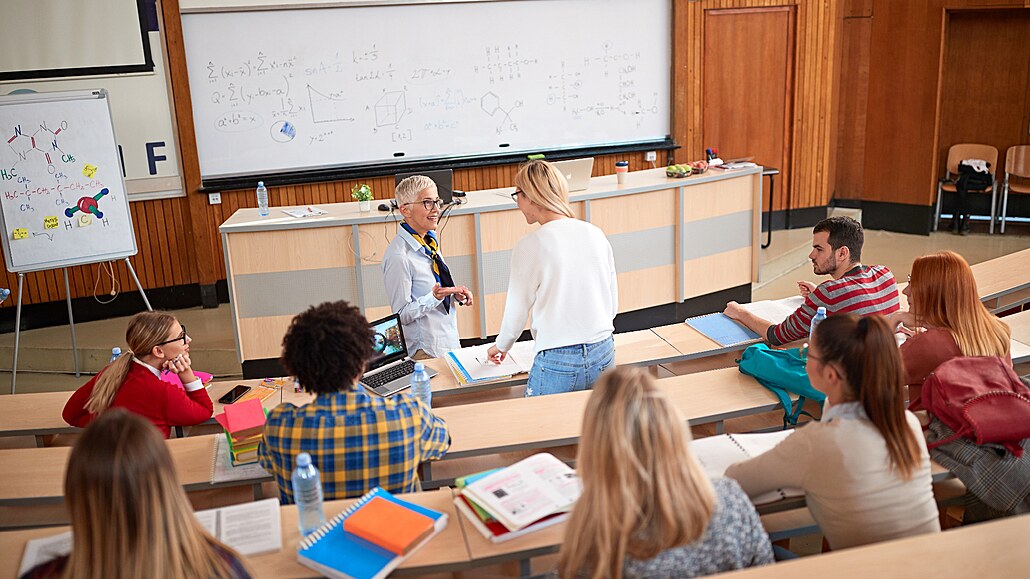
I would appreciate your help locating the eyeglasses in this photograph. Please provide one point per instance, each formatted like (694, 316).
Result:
(515, 195)
(429, 203)
(181, 336)
(805, 355)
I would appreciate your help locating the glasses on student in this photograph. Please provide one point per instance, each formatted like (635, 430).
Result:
(429, 203)
(515, 195)
(181, 336)
(805, 355)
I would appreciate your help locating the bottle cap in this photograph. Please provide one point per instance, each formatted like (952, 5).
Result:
(116, 351)
(261, 183)
(820, 310)
(622, 163)
(419, 366)
(303, 460)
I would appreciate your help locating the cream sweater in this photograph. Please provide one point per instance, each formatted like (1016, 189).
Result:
(564, 272)
(841, 463)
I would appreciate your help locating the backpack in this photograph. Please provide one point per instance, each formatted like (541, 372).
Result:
(782, 372)
(980, 398)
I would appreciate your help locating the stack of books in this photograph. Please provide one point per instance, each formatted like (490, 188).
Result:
(506, 503)
(371, 538)
(472, 366)
(244, 424)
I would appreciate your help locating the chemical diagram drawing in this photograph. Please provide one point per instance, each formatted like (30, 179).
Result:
(391, 108)
(42, 142)
(491, 105)
(88, 205)
(328, 108)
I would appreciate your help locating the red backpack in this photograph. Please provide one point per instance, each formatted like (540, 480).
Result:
(980, 398)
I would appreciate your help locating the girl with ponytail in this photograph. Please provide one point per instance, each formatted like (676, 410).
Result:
(157, 342)
(864, 468)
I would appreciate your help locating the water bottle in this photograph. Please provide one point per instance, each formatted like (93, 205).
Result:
(307, 492)
(115, 353)
(420, 384)
(820, 315)
(4, 294)
(262, 196)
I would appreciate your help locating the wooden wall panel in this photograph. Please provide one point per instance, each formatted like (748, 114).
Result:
(851, 124)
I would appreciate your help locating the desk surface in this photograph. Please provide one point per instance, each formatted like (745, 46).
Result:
(1002, 275)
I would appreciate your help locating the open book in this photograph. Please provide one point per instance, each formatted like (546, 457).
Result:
(471, 364)
(527, 491)
(249, 528)
(717, 453)
(728, 332)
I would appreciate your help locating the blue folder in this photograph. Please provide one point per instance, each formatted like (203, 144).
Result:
(722, 329)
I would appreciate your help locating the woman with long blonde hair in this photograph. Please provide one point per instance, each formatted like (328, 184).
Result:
(864, 466)
(157, 343)
(647, 508)
(129, 514)
(943, 301)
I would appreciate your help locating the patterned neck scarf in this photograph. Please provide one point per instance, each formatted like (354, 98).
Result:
(440, 270)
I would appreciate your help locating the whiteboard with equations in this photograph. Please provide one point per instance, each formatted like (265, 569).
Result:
(62, 194)
(294, 89)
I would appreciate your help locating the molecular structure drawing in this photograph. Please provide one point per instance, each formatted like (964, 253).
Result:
(43, 141)
(88, 205)
(491, 105)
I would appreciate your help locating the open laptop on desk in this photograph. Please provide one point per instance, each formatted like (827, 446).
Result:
(577, 172)
(389, 369)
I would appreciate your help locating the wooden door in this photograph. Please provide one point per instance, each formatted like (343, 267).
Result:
(748, 87)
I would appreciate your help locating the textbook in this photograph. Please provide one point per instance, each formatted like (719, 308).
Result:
(526, 492)
(471, 365)
(335, 552)
(488, 526)
(717, 453)
(249, 528)
(225, 469)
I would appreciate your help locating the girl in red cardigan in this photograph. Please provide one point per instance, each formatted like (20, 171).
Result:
(157, 342)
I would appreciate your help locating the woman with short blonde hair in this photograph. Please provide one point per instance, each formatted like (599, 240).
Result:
(647, 507)
(129, 514)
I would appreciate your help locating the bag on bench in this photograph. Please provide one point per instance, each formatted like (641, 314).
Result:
(782, 372)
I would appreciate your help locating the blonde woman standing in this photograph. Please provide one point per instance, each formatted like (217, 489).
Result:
(129, 514)
(157, 342)
(564, 273)
(647, 508)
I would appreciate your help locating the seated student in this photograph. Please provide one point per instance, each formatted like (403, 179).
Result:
(157, 342)
(129, 514)
(647, 508)
(943, 300)
(855, 288)
(356, 439)
(864, 467)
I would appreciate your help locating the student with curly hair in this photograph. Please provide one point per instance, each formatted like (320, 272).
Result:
(358, 440)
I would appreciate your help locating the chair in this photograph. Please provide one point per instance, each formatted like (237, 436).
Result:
(956, 154)
(1017, 164)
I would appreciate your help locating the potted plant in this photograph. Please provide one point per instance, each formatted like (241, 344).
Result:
(362, 193)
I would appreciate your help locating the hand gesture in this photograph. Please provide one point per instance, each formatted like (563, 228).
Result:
(805, 288)
(495, 355)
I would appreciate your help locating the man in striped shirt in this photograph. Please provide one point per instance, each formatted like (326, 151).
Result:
(855, 288)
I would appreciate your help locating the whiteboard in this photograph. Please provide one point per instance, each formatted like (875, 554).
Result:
(281, 90)
(63, 199)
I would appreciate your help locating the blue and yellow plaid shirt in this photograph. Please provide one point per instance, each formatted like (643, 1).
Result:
(357, 441)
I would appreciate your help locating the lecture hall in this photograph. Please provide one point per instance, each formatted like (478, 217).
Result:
(515, 288)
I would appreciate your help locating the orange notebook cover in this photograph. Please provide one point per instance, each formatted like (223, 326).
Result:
(389, 525)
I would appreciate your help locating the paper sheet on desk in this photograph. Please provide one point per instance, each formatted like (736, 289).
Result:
(774, 311)
(476, 366)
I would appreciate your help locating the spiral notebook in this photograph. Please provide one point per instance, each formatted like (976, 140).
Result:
(717, 453)
(722, 329)
(334, 552)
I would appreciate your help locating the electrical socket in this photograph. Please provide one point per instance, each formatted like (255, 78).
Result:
(651, 156)
(214, 198)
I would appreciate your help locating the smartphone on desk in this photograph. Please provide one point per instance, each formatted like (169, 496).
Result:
(235, 394)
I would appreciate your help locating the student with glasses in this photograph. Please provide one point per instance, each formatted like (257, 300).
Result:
(157, 342)
(564, 273)
(418, 282)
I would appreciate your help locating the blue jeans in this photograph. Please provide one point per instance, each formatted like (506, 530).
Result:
(570, 368)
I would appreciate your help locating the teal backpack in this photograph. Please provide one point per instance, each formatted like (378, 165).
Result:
(782, 372)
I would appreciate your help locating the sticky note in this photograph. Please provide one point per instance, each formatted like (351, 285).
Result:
(20, 233)
(85, 220)
(50, 222)
(89, 171)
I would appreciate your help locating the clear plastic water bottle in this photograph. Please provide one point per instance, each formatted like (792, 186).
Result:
(820, 315)
(115, 353)
(420, 384)
(262, 197)
(307, 492)
(4, 294)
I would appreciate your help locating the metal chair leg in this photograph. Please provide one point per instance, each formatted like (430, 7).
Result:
(1004, 203)
(994, 203)
(937, 212)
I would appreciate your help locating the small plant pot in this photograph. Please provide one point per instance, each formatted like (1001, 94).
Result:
(364, 205)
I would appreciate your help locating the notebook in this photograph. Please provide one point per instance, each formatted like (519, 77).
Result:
(223, 469)
(723, 330)
(389, 369)
(717, 453)
(334, 552)
(577, 172)
(472, 364)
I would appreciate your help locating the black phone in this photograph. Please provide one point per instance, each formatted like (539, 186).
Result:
(235, 394)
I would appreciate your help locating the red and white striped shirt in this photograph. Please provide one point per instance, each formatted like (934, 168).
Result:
(863, 290)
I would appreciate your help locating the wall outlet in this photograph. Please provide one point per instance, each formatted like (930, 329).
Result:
(214, 198)
(651, 156)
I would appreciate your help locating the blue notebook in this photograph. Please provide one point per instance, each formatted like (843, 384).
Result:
(722, 329)
(336, 553)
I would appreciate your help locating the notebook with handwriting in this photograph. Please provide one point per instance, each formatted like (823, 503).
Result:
(717, 453)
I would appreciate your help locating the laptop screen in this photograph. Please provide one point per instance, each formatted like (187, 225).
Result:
(444, 182)
(387, 342)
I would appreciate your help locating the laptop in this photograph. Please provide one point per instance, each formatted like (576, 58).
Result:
(389, 369)
(577, 172)
(444, 182)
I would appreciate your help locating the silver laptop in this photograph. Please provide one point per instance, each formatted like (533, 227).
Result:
(577, 172)
(389, 370)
